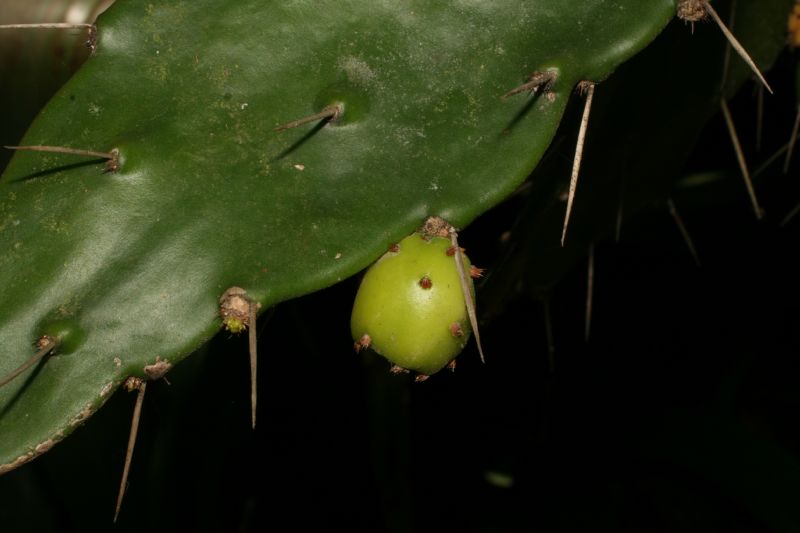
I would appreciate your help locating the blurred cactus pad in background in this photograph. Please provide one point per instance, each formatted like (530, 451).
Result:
(636, 370)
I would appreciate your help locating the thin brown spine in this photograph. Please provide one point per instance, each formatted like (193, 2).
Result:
(44, 349)
(737, 147)
(112, 165)
(48, 26)
(687, 238)
(537, 81)
(330, 113)
(588, 88)
(737, 46)
(726, 59)
(468, 299)
(253, 347)
(133, 383)
(788, 218)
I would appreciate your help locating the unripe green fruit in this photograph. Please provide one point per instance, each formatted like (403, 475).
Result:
(410, 307)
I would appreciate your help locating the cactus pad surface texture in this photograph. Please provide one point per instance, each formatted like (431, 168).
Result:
(129, 265)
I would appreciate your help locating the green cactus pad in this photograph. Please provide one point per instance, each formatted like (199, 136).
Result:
(209, 196)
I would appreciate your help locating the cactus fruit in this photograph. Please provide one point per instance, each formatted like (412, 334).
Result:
(410, 306)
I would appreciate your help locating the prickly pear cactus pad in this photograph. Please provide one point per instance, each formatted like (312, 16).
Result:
(207, 195)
